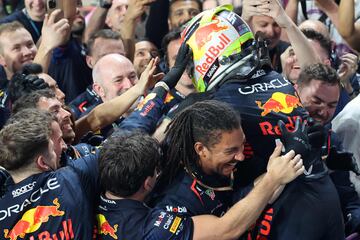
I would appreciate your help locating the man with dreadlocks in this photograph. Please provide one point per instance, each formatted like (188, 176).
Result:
(230, 63)
(202, 146)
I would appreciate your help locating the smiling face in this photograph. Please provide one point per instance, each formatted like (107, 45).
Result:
(222, 157)
(113, 75)
(144, 52)
(116, 13)
(182, 11)
(54, 106)
(269, 27)
(16, 49)
(291, 65)
(36, 9)
(319, 99)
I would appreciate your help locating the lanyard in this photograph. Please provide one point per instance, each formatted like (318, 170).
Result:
(31, 22)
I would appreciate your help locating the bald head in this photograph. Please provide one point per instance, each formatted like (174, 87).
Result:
(316, 25)
(113, 74)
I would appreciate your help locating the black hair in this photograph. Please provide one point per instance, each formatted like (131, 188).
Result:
(31, 68)
(19, 85)
(197, 1)
(201, 122)
(103, 33)
(31, 100)
(174, 34)
(126, 160)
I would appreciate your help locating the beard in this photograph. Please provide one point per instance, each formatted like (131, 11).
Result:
(78, 29)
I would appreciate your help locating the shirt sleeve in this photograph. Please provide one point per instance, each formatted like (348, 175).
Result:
(163, 225)
(86, 168)
(145, 116)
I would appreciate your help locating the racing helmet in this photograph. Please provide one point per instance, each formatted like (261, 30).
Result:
(217, 38)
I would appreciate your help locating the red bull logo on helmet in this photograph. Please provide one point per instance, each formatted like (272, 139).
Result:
(105, 228)
(279, 102)
(32, 220)
(213, 34)
(204, 33)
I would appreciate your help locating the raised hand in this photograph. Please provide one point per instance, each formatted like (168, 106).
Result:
(54, 33)
(148, 78)
(182, 59)
(296, 140)
(254, 8)
(286, 168)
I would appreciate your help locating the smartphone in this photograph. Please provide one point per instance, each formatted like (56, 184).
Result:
(68, 8)
(52, 5)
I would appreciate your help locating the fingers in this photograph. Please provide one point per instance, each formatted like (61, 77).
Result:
(60, 24)
(277, 150)
(151, 65)
(147, 2)
(297, 162)
(54, 15)
(290, 155)
(350, 60)
(64, 28)
(159, 76)
(46, 19)
(300, 171)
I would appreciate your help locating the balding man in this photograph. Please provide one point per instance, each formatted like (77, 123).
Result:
(316, 25)
(113, 74)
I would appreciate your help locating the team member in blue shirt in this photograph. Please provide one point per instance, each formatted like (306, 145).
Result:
(42, 200)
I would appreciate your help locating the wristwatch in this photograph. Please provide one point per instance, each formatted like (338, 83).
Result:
(105, 4)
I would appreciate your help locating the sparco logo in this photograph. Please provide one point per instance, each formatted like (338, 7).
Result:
(176, 209)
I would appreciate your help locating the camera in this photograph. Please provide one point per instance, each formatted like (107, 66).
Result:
(51, 4)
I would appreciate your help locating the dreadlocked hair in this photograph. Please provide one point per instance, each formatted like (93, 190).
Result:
(201, 122)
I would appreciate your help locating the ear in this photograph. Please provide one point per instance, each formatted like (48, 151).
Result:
(201, 150)
(169, 24)
(2, 61)
(99, 90)
(327, 62)
(149, 183)
(41, 163)
(108, 21)
(89, 61)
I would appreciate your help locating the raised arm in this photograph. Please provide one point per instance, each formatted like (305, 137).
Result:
(303, 50)
(53, 34)
(127, 28)
(292, 9)
(97, 19)
(348, 28)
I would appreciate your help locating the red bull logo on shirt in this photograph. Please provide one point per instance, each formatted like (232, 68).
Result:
(279, 102)
(105, 228)
(32, 220)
